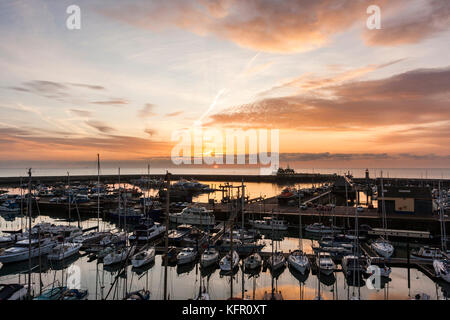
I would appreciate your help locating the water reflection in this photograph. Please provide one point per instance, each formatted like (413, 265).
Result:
(113, 282)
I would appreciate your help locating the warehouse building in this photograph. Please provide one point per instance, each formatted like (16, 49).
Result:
(407, 200)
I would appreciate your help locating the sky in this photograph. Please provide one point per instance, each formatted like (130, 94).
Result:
(136, 71)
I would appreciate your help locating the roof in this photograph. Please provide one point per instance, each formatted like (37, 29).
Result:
(407, 192)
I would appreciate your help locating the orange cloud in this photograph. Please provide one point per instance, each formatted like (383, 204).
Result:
(409, 26)
(286, 26)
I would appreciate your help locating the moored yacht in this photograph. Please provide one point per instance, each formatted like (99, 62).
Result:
(195, 215)
(253, 261)
(229, 262)
(147, 231)
(209, 257)
(118, 255)
(176, 235)
(268, 223)
(299, 261)
(187, 255)
(276, 261)
(383, 247)
(321, 228)
(63, 251)
(21, 250)
(325, 264)
(442, 269)
(426, 253)
(143, 257)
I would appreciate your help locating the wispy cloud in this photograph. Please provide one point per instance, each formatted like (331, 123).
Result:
(112, 102)
(146, 111)
(100, 126)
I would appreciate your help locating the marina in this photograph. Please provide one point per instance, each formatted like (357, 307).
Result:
(116, 255)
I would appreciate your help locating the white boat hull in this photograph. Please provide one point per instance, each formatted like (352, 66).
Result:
(383, 250)
(186, 259)
(114, 257)
(191, 220)
(209, 260)
(24, 255)
(149, 257)
(73, 250)
(298, 264)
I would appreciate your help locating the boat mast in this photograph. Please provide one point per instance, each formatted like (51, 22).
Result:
(68, 191)
(383, 208)
(98, 192)
(231, 247)
(272, 257)
(442, 221)
(166, 235)
(29, 234)
(119, 209)
(300, 237)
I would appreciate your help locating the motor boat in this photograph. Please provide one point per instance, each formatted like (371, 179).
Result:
(321, 228)
(143, 257)
(21, 250)
(194, 215)
(176, 235)
(442, 269)
(209, 257)
(118, 255)
(253, 261)
(325, 263)
(242, 235)
(113, 239)
(276, 261)
(195, 238)
(63, 251)
(268, 223)
(426, 253)
(187, 255)
(383, 247)
(147, 231)
(13, 291)
(299, 261)
(229, 262)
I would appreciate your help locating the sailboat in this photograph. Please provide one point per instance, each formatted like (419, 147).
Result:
(298, 259)
(382, 246)
(63, 251)
(209, 257)
(253, 261)
(143, 257)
